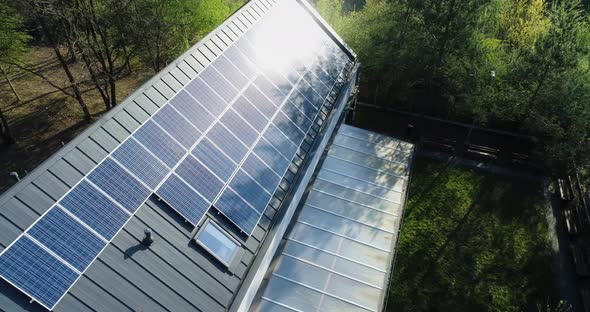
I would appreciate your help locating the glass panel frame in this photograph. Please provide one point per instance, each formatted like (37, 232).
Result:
(213, 229)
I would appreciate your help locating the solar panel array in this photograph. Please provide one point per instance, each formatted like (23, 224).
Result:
(224, 141)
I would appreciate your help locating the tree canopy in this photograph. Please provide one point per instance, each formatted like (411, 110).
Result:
(13, 38)
(516, 65)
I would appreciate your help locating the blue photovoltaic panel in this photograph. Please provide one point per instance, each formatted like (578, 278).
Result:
(241, 62)
(271, 157)
(219, 83)
(214, 159)
(44, 261)
(280, 81)
(247, 110)
(67, 238)
(199, 177)
(250, 191)
(183, 199)
(310, 94)
(95, 209)
(320, 72)
(36, 272)
(237, 210)
(246, 49)
(280, 141)
(275, 95)
(317, 85)
(299, 100)
(264, 105)
(227, 143)
(119, 184)
(332, 69)
(232, 121)
(180, 129)
(232, 73)
(159, 143)
(141, 163)
(192, 110)
(206, 97)
(261, 173)
(298, 117)
(289, 128)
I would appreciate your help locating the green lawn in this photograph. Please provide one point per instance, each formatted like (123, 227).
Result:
(472, 242)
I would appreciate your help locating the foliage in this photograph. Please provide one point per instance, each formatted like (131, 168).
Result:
(471, 242)
(13, 39)
(516, 65)
(162, 30)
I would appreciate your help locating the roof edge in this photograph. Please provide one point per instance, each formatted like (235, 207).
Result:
(253, 280)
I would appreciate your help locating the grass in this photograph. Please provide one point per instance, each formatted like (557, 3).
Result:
(45, 117)
(472, 242)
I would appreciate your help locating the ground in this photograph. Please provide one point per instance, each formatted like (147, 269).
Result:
(46, 118)
(472, 242)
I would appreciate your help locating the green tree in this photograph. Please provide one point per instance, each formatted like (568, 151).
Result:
(164, 29)
(13, 40)
(13, 44)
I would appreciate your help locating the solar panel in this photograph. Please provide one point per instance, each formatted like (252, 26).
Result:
(183, 199)
(284, 123)
(199, 177)
(180, 129)
(257, 98)
(280, 81)
(95, 209)
(238, 126)
(317, 85)
(297, 116)
(250, 191)
(258, 170)
(244, 145)
(141, 163)
(119, 185)
(206, 96)
(192, 110)
(274, 94)
(310, 94)
(302, 103)
(271, 157)
(159, 143)
(67, 238)
(249, 112)
(227, 142)
(241, 62)
(219, 83)
(280, 141)
(36, 272)
(214, 159)
(237, 210)
(230, 72)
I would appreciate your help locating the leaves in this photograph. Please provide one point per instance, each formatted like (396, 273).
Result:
(521, 64)
(13, 39)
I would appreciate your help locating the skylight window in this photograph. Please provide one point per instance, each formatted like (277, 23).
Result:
(218, 242)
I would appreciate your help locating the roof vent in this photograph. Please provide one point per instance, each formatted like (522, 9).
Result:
(147, 240)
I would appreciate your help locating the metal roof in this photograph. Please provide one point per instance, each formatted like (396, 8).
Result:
(173, 274)
(337, 254)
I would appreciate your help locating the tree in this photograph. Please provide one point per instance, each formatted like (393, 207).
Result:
(162, 30)
(47, 17)
(13, 40)
(13, 44)
(99, 29)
